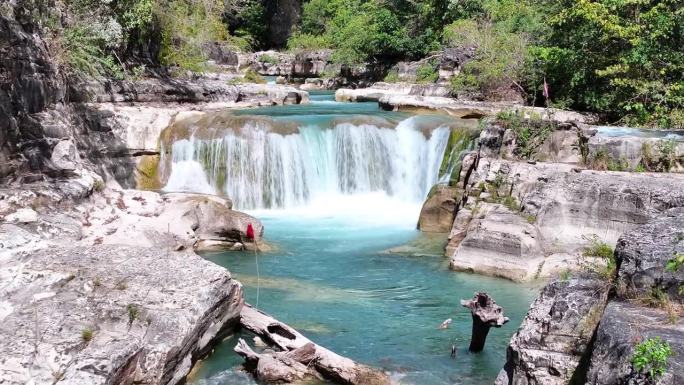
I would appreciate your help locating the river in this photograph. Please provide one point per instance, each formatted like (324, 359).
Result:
(339, 192)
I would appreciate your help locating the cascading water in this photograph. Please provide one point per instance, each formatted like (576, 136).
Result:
(335, 184)
(262, 169)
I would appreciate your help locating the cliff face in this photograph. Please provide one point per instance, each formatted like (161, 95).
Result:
(29, 83)
(576, 333)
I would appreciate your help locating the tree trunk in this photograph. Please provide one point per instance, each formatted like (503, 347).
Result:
(486, 313)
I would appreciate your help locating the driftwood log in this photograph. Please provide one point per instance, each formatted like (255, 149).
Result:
(486, 313)
(296, 357)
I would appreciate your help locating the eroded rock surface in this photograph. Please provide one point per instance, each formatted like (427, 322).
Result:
(437, 213)
(542, 215)
(622, 327)
(111, 314)
(643, 254)
(556, 333)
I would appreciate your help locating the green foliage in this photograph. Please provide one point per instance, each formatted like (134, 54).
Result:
(511, 203)
(87, 334)
(565, 275)
(530, 132)
(651, 356)
(247, 22)
(675, 263)
(392, 76)
(367, 31)
(636, 69)
(186, 26)
(84, 53)
(133, 311)
(303, 41)
(598, 249)
(660, 159)
(498, 62)
(427, 72)
(266, 58)
(251, 76)
(603, 160)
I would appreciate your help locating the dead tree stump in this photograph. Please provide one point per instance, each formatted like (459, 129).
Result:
(486, 313)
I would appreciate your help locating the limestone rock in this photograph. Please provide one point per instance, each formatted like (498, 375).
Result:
(501, 243)
(65, 155)
(559, 211)
(622, 327)
(395, 101)
(555, 334)
(25, 215)
(437, 214)
(643, 253)
(111, 314)
(634, 150)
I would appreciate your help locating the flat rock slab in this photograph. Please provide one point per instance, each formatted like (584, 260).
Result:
(110, 314)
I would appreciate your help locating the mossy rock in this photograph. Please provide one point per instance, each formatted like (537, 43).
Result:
(147, 175)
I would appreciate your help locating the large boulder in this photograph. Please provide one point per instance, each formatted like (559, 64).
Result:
(643, 253)
(499, 242)
(437, 214)
(622, 327)
(558, 211)
(555, 334)
(111, 314)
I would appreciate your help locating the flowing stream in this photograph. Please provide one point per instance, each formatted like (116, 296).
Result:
(334, 193)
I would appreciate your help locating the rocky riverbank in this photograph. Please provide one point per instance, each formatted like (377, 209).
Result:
(586, 328)
(102, 283)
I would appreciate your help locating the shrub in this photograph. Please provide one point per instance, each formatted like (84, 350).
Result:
(87, 334)
(530, 132)
(302, 41)
(427, 73)
(252, 76)
(565, 275)
(651, 356)
(186, 26)
(675, 263)
(498, 62)
(667, 154)
(84, 55)
(266, 58)
(392, 76)
(602, 251)
(661, 159)
(133, 312)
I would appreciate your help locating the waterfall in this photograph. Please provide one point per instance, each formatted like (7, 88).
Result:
(257, 168)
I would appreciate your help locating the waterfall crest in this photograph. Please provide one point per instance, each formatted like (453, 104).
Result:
(258, 168)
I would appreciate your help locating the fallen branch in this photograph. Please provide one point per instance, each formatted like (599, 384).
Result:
(298, 348)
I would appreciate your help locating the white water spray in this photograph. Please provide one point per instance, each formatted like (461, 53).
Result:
(260, 169)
